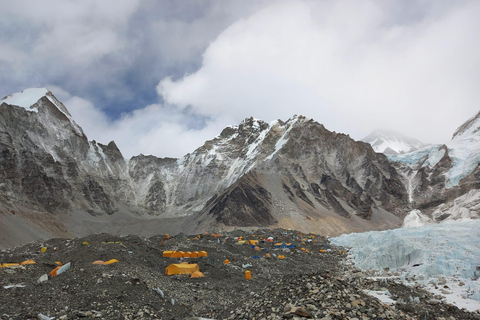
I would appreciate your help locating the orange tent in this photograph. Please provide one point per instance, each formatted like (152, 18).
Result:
(194, 254)
(181, 269)
(187, 254)
(281, 257)
(197, 274)
(203, 254)
(179, 254)
(99, 262)
(27, 262)
(111, 261)
(168, 253)
(7, 265)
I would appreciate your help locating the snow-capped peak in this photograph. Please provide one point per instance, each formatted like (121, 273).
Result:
(26, 98)
(390, 142)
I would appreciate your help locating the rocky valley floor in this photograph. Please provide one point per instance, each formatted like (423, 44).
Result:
(306, 284)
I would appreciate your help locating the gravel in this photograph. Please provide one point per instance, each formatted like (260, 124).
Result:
(304, 285)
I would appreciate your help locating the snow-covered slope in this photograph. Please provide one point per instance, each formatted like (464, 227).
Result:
(428, 253)
(390, 142)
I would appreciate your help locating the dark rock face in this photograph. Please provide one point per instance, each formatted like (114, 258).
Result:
(244, 204)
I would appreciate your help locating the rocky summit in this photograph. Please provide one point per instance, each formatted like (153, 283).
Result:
(293, 276)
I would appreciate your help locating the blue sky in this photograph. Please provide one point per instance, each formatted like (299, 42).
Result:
(161, 77)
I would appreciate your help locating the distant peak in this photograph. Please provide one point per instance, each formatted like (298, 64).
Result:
(392, 142)
(26, 98)
(470, 127)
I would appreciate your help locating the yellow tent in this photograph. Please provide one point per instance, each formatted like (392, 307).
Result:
(187, 254)
(255, 242)
(281, 257)
(7, 265)
(194, 254)
(111, 261)
(179, 254)
(168, 253)
(203, 254)
(27, 262)
(181, 269)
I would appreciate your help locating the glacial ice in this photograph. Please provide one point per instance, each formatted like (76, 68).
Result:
(450, 250)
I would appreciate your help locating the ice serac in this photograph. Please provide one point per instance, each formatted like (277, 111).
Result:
(443, 180)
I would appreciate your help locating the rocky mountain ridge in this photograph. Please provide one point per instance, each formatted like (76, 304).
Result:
(291, 173)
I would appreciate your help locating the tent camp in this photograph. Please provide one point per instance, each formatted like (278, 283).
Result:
(181, 269)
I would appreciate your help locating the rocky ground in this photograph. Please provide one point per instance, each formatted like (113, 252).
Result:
(306, 284)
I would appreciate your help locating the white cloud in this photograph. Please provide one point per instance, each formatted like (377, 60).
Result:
(347, 64)
(156, 129)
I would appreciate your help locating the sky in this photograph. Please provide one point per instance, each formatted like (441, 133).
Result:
(162, 77)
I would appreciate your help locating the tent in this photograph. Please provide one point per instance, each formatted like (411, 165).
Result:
(181, 269)
(254, 242)
(281, 257)
(8, 265)
(284, 245)
(111, 261)
(179, 254)
(169, 253)
(203, 254)
(187, 254)
(27, 262)
(197, 274)
(99, 262)
(194, 254)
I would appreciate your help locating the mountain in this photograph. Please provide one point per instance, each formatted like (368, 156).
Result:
(390, 142)
(294, 173)
(443, 181)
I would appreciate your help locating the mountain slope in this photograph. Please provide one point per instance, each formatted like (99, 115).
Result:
(444, 180)
(294, 173)
(390, 142)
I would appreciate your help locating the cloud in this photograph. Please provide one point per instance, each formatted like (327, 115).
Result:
(351, 66)
(164, 131)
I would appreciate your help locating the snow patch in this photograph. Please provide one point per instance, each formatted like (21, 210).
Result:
(416, 219)
(26, 98)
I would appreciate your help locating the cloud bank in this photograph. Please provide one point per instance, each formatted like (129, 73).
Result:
(353, 66)
(161, 77)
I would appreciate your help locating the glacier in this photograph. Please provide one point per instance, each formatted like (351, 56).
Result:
(449, 250)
